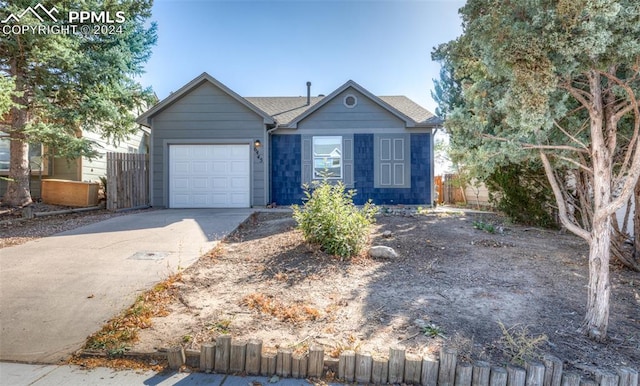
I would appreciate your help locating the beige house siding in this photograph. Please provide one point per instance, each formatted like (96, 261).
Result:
(95, 168)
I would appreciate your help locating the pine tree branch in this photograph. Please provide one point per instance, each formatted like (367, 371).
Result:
(541, 147)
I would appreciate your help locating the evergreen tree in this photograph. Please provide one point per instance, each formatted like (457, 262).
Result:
(556, 82)
(66, 82)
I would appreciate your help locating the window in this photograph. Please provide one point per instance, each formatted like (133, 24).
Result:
(327, 157)
(35, 155)
(350, 101)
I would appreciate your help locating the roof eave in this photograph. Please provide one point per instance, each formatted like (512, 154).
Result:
(145, 118)
(350, 83)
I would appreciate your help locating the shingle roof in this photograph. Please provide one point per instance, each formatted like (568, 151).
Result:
(285, 109)
(409, 108)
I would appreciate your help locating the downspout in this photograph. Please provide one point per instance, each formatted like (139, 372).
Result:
(433, 202)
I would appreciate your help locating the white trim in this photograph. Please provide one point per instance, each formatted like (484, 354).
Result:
(355, 101)
(313, 157)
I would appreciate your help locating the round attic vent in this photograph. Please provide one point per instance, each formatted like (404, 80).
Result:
(350, 101)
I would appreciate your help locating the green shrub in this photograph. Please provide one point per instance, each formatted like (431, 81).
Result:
(329, 218)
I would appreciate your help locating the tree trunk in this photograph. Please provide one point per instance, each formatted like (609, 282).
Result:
(18, 193)
(599, 290)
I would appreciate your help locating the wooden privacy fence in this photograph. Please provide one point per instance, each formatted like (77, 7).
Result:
(127, 180)
(227, 355)
(439, 188)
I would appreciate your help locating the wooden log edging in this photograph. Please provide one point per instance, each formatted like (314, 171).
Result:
(227, 355)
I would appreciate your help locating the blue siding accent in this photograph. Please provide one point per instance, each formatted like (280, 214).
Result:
(286, 169)
(420, 191)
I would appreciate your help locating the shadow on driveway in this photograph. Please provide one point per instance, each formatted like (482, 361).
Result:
(57, 290)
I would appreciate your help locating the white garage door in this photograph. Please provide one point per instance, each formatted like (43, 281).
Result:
(209, 176)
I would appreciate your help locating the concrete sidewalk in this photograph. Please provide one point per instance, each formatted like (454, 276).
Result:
(45, 375)
(57, 290)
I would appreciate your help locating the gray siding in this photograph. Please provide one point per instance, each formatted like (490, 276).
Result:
(365, 115)
(206, 115)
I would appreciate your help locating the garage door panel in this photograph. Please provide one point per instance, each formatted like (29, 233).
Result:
(219, 183)
(198, 199)
(180, 184)
(181, 167)
(181, 199)
(180, 153)
(199, 167)
(219, 152)
(236, 153)
(237, 184)
(200, 183)
(238, 167)
(209, 176)
(219, 167)
(237, 199)
(219, 198)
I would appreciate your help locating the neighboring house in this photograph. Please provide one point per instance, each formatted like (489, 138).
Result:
(210, 147)
(80, 169)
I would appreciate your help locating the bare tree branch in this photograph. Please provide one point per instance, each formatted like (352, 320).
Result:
(574, 139)
(562, 207)
(576, 163)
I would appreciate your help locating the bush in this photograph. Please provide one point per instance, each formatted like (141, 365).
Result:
(523, 194)
(329, 218)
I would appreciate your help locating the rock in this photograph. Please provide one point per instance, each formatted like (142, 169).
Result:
(382, 252)
(387, 234)
(420, 323)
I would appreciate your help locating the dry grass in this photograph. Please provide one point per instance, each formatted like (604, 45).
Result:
(119, 333)
(350, 344)
(518, 345)
(294, 313)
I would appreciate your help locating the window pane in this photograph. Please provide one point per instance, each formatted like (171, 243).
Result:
(4, 153)
(35, 154)
(327, 157)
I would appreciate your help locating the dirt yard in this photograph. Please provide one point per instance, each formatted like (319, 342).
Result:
(451, 280)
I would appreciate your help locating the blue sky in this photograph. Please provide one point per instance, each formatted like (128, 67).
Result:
(272, 48)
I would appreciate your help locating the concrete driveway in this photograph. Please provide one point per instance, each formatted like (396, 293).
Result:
(57, 290)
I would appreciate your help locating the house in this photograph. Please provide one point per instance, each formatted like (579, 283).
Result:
(211, 147)
(80, 169)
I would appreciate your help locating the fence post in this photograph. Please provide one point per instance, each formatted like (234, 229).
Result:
(481, 373)
(429, 372)
(535, 374)
(553, 371)
(448, 360)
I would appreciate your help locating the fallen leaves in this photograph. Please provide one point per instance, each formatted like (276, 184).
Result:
(296, 312)
(120, 332)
